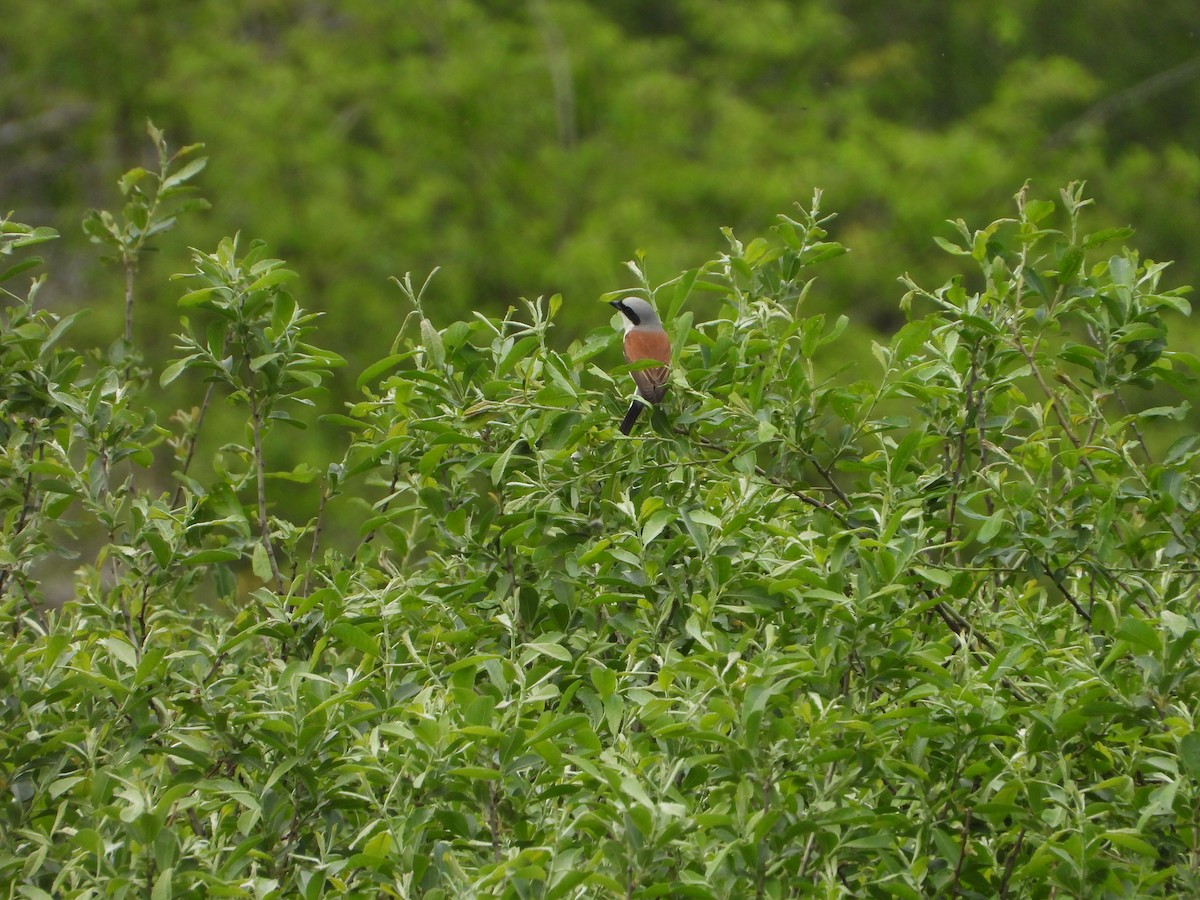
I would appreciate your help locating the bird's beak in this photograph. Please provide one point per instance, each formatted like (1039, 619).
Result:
(615, 304)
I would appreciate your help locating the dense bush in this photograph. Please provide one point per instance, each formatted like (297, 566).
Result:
(927, 629)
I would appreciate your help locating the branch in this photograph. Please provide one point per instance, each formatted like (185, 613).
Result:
(61, 118)
(962, 853)
(1009, 865)
(778, 482)
(260, 472)
(1130, 96)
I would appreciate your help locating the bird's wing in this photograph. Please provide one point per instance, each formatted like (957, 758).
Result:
(641, 345)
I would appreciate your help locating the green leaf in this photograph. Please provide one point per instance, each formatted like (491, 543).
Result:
(556, 725)
(950, 247)
(121, 649)
(1036, 210)
(694, 526)
(17, 268)
(822, 252)
(214, 555)
(265, 359)
(1166, 412)
(130, 179)
(301, 473)
(940, 577)
(1068, 266)
(1139, 331)
(1140, 633)
(150, 665)
(431, 340)
(260, 563)
(34, 236)
(904, 452)
(355, 637)
(175, 369)
(1160, 803)
(554, 651)
(474, 773)
(656, 523)
(519, 350)
(340, 420)
(872, 842)
(188, 172)
(1121, 271)
(380, 846)
(377, 370)
(1106, 236)
(1189, 754)
(991, 527)
(1129, 840)
(197, 297)
(501, 464)
(273, 278)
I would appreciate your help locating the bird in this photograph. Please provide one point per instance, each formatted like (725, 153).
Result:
(645, 338)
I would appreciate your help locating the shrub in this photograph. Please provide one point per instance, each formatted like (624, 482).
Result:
(927, 630)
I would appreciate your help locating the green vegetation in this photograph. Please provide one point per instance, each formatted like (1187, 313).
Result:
(319, 581)
(922, 630)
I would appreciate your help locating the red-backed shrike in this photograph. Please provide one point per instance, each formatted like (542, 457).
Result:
(644, 339)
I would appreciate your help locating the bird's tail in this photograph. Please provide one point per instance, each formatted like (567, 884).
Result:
(635, 410)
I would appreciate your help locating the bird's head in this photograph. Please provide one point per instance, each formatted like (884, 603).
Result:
(637, 311)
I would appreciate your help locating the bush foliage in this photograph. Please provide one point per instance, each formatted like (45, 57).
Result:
(927, 629)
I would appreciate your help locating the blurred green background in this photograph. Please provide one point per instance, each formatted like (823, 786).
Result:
(529, 147)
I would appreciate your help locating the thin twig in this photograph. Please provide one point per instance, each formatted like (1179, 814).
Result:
(1010, 865)
(559, 63)
(28, 507)
(812, 836)
(761, 879)
(383, 509)
(316, 541)
(960, 451)
(1055, 577)
(1055, 402)
(778, 482)
(130, 271)
(193, 440)
(494, 822)
(260, 471)
(962, 853)
(1130, 96)
(1137, 432)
